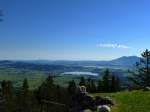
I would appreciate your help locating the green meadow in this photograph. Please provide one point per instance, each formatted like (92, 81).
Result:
(134, 101)
(35, 77)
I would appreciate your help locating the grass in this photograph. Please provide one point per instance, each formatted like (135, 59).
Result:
(135, 101)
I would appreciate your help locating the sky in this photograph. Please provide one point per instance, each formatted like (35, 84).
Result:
(73, 29)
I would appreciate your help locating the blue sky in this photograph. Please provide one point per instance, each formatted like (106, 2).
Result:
(74, 29)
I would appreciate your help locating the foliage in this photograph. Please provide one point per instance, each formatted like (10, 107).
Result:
(8, 96)
(24, 98)
(109, 83)
(141, 76)
(82, 82)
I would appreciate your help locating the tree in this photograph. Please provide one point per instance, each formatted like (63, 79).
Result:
(118, 85)
(25, 98)
(99, 87)
(106, 81)
(115, 83)
(71, 87)
(48, 94)
(88, 84)
(8, 96)
(82, 82)
(51, 97)
(93, 87)
(141, 75)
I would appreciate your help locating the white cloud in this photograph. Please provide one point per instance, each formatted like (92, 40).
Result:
(114, 46)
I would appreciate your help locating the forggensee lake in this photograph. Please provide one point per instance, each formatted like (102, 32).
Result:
(80, 73)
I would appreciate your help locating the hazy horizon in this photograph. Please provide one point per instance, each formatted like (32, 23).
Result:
(34, 59)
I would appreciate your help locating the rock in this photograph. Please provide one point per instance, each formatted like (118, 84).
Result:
(103, 101)
(87, 110)
(103, 108)
(147, 88)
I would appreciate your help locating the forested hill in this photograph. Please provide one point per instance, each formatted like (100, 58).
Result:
(38, 67)
(63, 66)
(122, 61)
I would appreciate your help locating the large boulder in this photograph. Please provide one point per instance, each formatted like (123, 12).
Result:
(103, 101)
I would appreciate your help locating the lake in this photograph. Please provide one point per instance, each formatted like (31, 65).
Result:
(80, 73)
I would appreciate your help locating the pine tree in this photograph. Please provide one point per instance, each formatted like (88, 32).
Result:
(93, 87)
(71, 93)
(8, 96)
(50, 88)
(71, 87)
(88, 84)
(118, 85)
(48, 94)
(99, 87)
(25, 98)
(82, 82)
(141, 76)
(106, 81)
(113, 85)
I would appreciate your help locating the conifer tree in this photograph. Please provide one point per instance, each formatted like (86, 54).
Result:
(89, 84)
(25, 98)
(106, 81)
(113, 85)
(93, 87)
(8, 96)
(99, 86)
(141, 76)
(71, 87)
(82, 82)
(118, 84)
(47, 95)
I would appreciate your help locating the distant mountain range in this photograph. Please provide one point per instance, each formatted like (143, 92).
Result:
(125, 61)
(122, 61)
(47, 66)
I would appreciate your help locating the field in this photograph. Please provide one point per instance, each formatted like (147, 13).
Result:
(35, 77)
(135, 101)
(36, 73)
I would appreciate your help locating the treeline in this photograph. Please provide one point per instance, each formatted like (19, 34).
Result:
(140, 77)
(50, 97)
(47, 98)
(108, 83)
